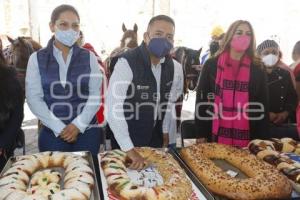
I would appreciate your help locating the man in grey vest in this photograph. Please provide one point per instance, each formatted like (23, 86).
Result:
(139, 90)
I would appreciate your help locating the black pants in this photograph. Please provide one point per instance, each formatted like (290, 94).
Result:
(155, 142)
(284, 130)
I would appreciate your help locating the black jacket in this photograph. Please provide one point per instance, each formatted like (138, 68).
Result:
(11, 108)
(282, 93)
(142, 95)
(258, 92)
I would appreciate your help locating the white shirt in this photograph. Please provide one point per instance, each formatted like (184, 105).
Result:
(116, 95)
(35, 94)
(170, 123)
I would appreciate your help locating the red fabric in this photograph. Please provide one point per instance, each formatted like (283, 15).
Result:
(231, 124)
(298, 118)
(89, 47)
(297, 70)
(100, 113)
(297, 73)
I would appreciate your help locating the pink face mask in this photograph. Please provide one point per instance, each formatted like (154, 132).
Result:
(240, 43)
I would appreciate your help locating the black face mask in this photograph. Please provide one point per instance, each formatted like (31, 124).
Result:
(214, 47)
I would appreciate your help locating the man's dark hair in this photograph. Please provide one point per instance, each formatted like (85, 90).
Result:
(161, 18)
(60, 9)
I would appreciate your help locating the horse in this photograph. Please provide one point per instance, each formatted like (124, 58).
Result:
(128, 41)
(129, 38)
(2, 58)
(190, 61)
(18, 53)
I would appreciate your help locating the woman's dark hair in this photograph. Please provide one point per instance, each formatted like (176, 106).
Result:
(60, 9)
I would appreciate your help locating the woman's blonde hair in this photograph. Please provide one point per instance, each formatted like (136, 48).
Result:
(225, 43)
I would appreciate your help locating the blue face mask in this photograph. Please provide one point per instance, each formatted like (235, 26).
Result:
(68, 37)
(159, 47)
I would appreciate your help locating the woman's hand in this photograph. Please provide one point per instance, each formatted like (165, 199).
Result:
(272, 116)
(70, 133)
(281, 117)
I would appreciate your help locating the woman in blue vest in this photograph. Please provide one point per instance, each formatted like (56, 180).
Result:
(62, 88)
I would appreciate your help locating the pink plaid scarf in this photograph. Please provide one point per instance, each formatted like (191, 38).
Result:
(231, 125)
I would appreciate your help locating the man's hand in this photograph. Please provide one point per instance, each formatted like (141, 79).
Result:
(137, 161)
(201, 140)
(272, 116)
(70, 133)
(166, 139)
(281, 117)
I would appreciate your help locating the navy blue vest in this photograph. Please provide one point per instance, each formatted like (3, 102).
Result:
(142, 93)
(66, 103)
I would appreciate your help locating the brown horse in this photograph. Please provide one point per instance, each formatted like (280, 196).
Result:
(129, 40)
(18, 55)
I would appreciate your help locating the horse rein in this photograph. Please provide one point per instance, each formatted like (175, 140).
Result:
(190, 76)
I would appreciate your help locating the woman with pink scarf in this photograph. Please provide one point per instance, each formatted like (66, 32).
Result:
(232, 96)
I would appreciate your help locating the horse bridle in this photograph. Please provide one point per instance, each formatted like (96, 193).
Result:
(189, 77)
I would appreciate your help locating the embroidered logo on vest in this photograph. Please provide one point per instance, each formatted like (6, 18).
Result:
(143, 87)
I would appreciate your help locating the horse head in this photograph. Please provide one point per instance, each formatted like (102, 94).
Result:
(35, 45)
(190, 61)
(21, 49)
(129, 38)
(191, 65)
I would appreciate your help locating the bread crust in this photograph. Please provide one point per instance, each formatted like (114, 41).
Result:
(77, 174)
(290, 168)
(176, 184)
(264, 182)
